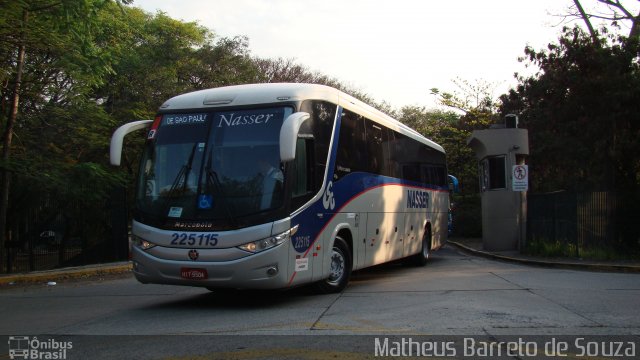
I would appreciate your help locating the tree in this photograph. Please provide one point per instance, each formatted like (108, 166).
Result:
(288, 70)
(581, 111)
(474, 99)
(150, 53)
(582, 102)
(613, 10)
(43, 27)
(157, 57)
(99, 65)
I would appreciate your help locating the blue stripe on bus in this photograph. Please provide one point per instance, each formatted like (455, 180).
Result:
(346, 190)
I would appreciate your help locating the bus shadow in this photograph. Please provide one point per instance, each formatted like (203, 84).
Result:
(262, 299)
(394, 268)
(240, 299)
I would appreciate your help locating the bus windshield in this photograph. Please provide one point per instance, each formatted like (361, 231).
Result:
(213, 166)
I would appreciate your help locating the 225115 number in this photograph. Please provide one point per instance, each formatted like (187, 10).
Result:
(193, 239)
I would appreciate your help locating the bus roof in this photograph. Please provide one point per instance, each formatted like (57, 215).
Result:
(270, 93)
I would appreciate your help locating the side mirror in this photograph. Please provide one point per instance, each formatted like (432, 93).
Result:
(289, 135)
(115, 150)
(453, 184)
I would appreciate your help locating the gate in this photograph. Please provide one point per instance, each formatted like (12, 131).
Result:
(55, 234)
(573, 220)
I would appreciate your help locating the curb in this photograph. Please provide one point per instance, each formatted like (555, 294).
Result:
(80, 272)
(550, 264)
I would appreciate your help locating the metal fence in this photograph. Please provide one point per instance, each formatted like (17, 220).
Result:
(56, 233)
(578, 220)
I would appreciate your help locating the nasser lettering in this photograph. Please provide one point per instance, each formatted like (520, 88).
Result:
(237, 120)
(417, 199)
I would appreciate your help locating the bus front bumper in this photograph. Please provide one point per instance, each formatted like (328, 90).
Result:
(264, 270)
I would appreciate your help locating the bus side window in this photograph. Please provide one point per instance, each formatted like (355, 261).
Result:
(303, 168)
(352, 148)
(376, 164)
(320, 127)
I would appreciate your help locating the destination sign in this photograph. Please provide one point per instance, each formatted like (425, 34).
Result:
(185, 119)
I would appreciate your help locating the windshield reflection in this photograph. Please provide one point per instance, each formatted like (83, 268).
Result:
(214, 166)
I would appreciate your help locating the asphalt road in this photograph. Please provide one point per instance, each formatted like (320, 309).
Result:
(455, 294)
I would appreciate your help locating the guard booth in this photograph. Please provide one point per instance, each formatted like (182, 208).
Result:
(502, 153)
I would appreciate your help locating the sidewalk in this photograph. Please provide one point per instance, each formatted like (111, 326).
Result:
(73, 273)
(474, 246)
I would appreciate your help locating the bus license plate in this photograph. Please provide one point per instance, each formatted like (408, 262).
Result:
(194, 274)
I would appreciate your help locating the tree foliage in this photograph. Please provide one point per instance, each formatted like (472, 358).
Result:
(473, 108)
(88, 66)
(581, 110)
(474, 99)
(80, 68)
(615, 12)
(288, 70)
(47, 60)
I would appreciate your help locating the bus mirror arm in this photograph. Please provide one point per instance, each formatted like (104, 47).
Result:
(289, 135)
(115, 149)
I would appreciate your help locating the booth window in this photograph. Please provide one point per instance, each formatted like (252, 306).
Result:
(493, 173)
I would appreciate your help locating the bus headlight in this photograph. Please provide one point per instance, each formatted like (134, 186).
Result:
(142, 243)
(265, 244)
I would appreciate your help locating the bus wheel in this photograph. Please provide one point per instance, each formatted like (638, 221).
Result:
(420, 259)
(340, 268)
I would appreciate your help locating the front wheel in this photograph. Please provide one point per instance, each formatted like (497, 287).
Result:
(340, 268)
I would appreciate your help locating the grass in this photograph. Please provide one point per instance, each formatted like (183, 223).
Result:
(548, 248)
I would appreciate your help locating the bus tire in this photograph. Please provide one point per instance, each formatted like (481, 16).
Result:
(340, 268)
(421, 258)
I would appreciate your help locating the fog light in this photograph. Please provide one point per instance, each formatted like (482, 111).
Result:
(146, 245)
(272, 271)
(142, 243)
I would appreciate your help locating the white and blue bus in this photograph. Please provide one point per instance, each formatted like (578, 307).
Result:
(278, 185)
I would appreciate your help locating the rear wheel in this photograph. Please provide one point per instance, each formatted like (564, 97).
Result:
(340, 268)
(421, 258)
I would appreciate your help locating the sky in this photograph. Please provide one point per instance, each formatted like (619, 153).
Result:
(392, 50)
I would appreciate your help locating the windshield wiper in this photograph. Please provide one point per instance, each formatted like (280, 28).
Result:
(183, 173)
(212, 179)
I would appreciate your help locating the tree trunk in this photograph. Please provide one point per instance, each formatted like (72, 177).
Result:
(5, 173)
(585, 17)
(635, 28)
